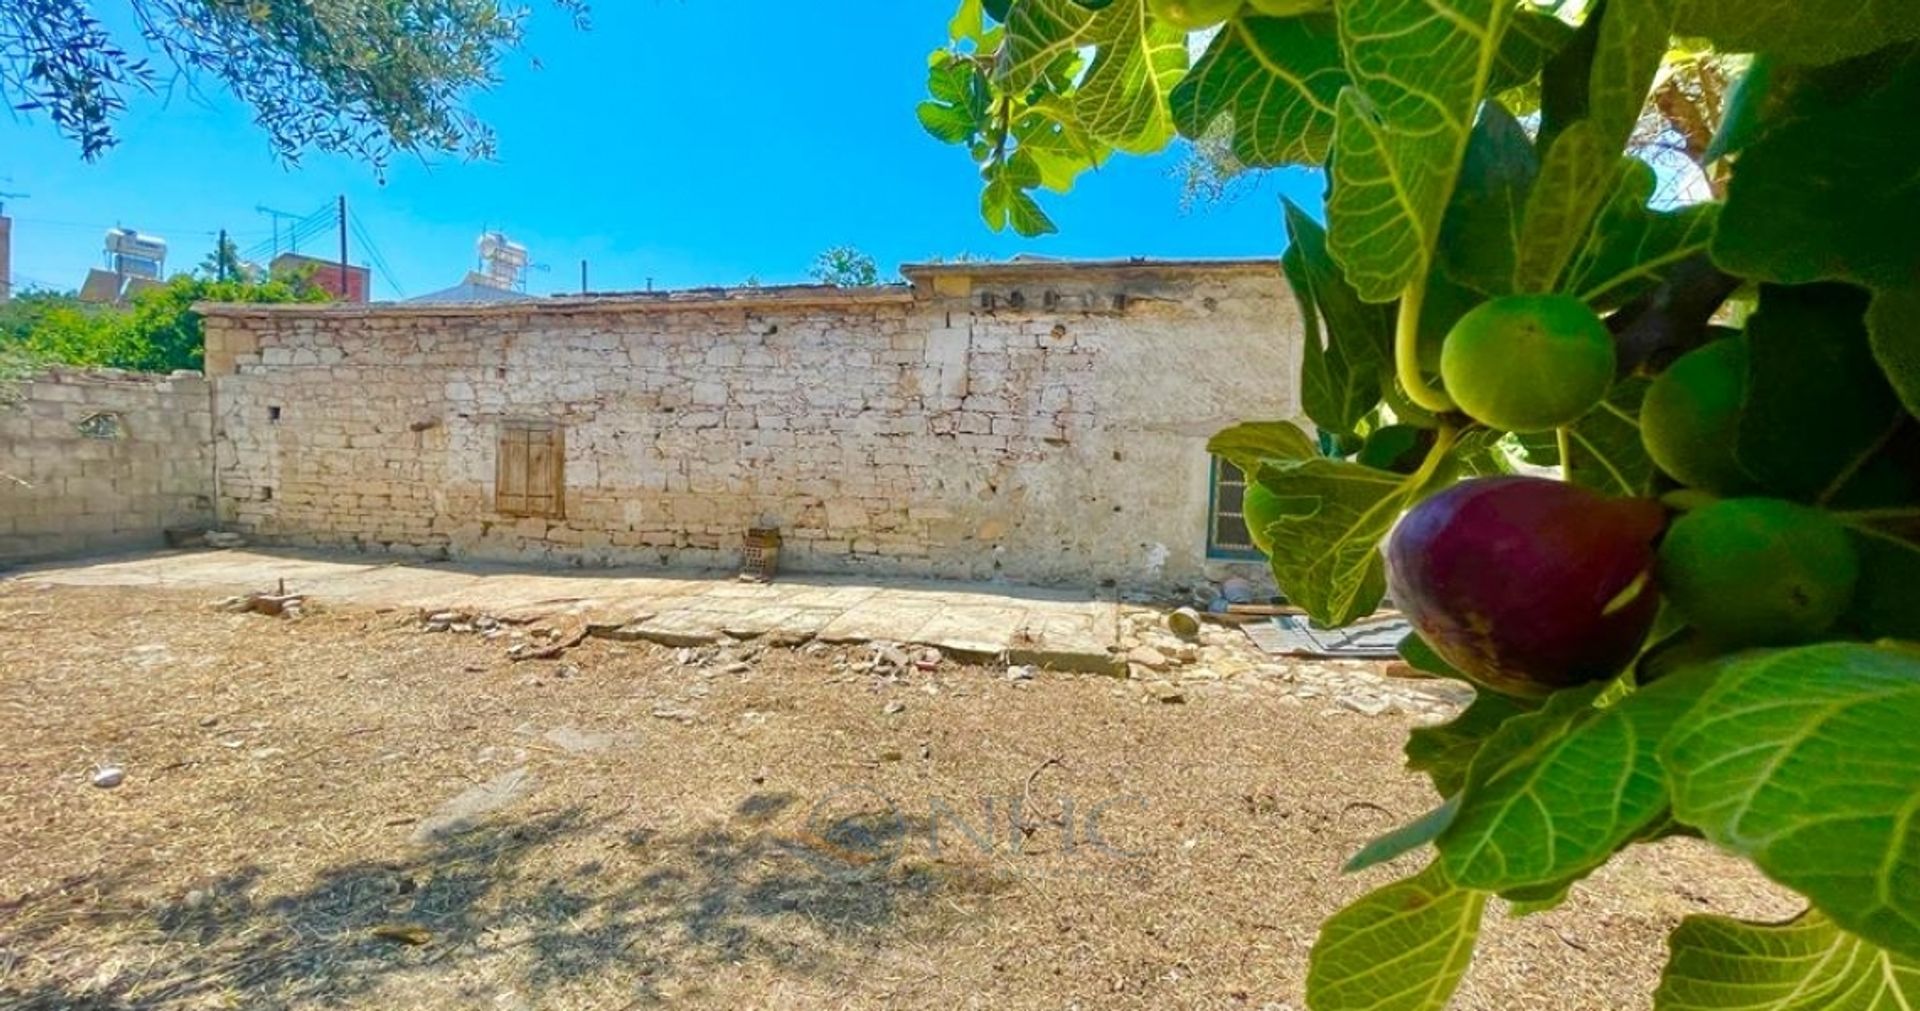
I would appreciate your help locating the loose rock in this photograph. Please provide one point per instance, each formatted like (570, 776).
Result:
(1366, 705)
(1148, 657)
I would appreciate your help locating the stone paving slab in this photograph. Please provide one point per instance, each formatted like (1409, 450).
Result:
(972, 629)
(1056, 629)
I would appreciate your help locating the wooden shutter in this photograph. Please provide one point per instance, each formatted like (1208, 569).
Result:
(530, 472)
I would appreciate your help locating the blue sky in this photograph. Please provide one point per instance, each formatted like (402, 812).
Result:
(690, 141)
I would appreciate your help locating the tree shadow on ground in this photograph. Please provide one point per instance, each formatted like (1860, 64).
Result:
(556, 900)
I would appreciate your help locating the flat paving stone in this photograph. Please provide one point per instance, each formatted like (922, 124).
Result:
(780, 623)
(674, 628)
(880, 619)
(1053, 629)
(467, 810)
(971, 629)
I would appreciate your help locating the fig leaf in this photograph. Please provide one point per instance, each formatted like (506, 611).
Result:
(1402, 947)
(1807, 964)
(1794, 759)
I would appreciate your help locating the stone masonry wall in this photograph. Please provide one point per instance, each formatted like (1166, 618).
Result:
(100, 460)
(1044, 429)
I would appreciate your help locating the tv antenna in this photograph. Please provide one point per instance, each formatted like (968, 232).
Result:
(293, 240)
(4, 197)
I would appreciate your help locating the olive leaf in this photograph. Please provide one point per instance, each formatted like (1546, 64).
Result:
(1402, 947)
(1717, 963)
(1794, 759)
(1553, 794)
(1340, 380)
(1402, 130)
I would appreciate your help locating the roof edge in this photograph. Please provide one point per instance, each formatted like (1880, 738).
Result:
(1120, 265)
(663, 301)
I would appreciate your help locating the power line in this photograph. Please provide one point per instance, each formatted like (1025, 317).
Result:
(373, 252)
(311, 226)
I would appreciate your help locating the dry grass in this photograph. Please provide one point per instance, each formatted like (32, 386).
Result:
(794, 845)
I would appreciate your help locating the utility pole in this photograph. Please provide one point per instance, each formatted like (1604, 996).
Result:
(345, 294)
(583, 277)
(6, 246)
(220, 256)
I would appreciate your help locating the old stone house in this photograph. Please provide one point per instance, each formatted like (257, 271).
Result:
(1035, 421)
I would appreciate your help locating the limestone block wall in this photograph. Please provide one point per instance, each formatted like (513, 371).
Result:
(102, 460)
(1022, 425)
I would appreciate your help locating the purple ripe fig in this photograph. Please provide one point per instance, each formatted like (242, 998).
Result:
(1526, 584)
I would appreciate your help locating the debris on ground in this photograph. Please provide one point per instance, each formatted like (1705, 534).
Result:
(1374, 638)
(107, 777)
(273, 605)
(1148, 657)
(226, 878)
(1184, 622)
(549, 646)
(885, 659)
(402, 933)
(577, 742)
(466, 810)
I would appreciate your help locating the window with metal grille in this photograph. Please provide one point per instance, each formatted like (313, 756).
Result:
(530, 473)
(1227, 536)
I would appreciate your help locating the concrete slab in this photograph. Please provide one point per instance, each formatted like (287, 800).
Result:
(675, 628)
(1083, 641)
(880, 618)
(972, 630)
(781, 624)
(1054, 629)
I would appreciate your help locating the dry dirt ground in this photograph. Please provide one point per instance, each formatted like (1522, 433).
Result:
(775, 829)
